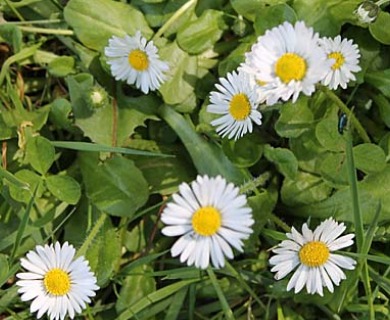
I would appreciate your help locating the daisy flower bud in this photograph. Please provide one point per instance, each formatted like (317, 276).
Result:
(367, 12)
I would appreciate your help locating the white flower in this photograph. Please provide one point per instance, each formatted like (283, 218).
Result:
(367, 11)
(210, 216)
(345, 57)
(313, 253)
(135, 60)
(57, 284)
(287, 61)
(236, 101)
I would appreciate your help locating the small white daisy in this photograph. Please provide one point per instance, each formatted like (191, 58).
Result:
(209, 216)
(57, 284)
(345, 57)
(312, 252)
(236, 101)
(136, 61)
(287, 60)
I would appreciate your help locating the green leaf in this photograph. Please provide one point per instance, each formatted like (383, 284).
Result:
(284, 159)
(65, 188)
(380, 80)
(62, 66)
(328, 135)
(95, 21)
(333, 169)
(4, 268)
(295, 118)
(115, 186)
(244, 152)
(32, 179)
(12, 35)
(60, 113)
(182, 78)
(273, 16)
(40, 154)
(199, 35)
(380, 29)
(249, 8)
(369, 157)
(125, 117)
(374, 188)
(207, 157)
(135, 286)
(384, 108)
(104, 254)
(304, 189)
(326, 17)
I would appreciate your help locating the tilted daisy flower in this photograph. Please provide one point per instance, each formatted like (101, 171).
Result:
(345, 57)
(313, 253)
(136, 61)
(236, 102)
(210, 216)
(286, 61)
(57, 284)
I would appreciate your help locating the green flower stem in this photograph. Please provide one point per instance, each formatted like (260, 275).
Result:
(224, 304)
(279, 223)
(92, 235)
(45, 21)
(351, 117)
(13, 9)
(61, 32)
(174, 17)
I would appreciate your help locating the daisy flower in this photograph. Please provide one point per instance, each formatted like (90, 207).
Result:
(57, 284)
(345, 57)
(236, 102)
(312, 253)
(210, 216)
(136, 61)
(286, 61)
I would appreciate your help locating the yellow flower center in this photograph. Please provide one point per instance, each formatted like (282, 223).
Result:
(290, 66)
(314, 254)
(57, 282)
(240, 107)
(206, 221)
(339, 59)
(138, 59)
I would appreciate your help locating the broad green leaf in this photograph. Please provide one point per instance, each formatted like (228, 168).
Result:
(284, 160)
(40, 154)
(199, 35)
(235, 58)
(64, 188)
(135, 286)
(369, 157)
(179, 90)
(95, 21)
(12, 35)
(62, 66)
(249, 8)
(384, 108)
(4, 268)
(125, 117)
(304, 189)
(30, 178)
(273, 16)
(326, 17)
(60, 113)
(333, 169)
(380, 29)
(295, 118)
(380, 80)
(328, 135)
(104, 254)
(115, 186)
(244, 152)
(374, 188)
(207, 157)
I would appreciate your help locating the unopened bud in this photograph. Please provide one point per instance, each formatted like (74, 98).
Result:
(367, 12)
(97, 97)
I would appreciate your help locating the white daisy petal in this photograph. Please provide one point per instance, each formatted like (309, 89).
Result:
(210, 224)
(312, 253)
(61, 288)
(286, 61)
(345, 56)
(136, 61)
(236, 103)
